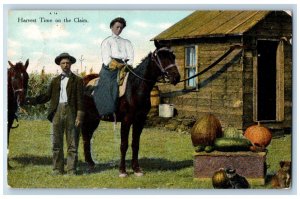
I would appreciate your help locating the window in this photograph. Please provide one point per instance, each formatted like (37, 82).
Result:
(190, 66)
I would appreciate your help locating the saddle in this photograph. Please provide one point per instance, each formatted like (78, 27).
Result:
(93, 83)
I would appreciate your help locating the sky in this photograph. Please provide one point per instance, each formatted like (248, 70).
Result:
(41, 35)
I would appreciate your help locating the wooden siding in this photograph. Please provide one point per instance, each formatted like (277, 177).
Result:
(228, 92)
(220, 88)
(273, 27)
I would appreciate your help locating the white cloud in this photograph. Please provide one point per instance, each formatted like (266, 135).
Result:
(37, 54)
(13, 44)
(141, 24)
(88, 29)
(133, 33)
(164, 25)
(96, 41)
(13, 48)
(12, 53)
(35, 32)
(70, 46)
(103, 27)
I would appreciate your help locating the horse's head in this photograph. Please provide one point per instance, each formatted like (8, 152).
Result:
(164, 58)
(18, 81)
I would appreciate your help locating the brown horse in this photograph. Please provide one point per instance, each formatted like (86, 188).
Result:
(17, 84)
(134, 106)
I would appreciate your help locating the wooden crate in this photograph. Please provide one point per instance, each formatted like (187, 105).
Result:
(248, 164)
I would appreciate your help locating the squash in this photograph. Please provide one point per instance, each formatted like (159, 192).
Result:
(259, 135)
(206, 130)
(220, 180)
(231, 132)
(232, 144)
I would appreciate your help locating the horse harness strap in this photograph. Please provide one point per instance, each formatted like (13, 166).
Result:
(18, 90)
(215, 63)
(132, 72)
(156, 59)
(12, 83)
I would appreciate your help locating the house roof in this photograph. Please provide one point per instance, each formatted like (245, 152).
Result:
(212, 24)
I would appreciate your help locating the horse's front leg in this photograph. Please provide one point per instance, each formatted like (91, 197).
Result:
(135, 145)
(10, 120)
(125, 127)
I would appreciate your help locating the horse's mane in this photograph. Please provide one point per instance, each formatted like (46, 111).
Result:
(140, 69)
(144, 62)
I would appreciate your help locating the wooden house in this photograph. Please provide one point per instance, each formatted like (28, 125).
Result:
(245, 63)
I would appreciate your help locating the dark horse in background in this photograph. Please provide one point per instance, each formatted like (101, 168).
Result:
(133, 106)
(17, 85)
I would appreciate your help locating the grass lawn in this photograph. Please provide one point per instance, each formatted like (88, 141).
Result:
(165, 156)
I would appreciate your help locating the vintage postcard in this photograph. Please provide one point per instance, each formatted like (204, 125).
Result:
(149, 99)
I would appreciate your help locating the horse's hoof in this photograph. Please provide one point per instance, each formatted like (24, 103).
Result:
(139, 173)
(123, 175)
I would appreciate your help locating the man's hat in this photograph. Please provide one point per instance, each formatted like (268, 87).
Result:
(64, 55)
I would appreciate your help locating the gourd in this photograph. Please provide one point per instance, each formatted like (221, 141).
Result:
(206, 130)
(231, 132)
(258, 135)
(220, 180)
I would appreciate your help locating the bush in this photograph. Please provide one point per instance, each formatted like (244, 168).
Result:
(38, 84)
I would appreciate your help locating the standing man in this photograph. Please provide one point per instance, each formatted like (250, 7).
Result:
(65, 94)
(116, 53)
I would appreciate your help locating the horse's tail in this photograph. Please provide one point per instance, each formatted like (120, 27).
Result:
(17, 125)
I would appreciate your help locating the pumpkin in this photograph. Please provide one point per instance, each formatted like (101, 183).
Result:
(220, 180)
(258, 135)
(206, 130)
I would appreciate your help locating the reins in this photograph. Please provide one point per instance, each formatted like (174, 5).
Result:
(156, 59)
(132, 72)
(232, 48)
(163, 70)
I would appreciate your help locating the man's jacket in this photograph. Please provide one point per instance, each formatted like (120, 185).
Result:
(74, 93)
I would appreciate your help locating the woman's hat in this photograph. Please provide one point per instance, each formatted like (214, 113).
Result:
(64, 55)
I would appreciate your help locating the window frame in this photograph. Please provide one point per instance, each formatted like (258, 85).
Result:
(189, 67)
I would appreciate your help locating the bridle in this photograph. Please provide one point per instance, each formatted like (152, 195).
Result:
(157, 60)
(18, 89)
(164, 75)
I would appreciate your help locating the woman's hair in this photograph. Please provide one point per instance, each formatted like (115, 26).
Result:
(118, 19)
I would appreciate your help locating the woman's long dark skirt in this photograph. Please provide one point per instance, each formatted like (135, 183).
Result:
(106, 92)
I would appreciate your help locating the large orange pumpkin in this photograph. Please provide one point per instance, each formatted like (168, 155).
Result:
(206, 130)
(259, 135)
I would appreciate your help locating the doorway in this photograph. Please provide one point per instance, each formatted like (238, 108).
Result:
(266, 80)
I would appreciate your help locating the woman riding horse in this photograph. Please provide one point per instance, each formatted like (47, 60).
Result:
(134, 105)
